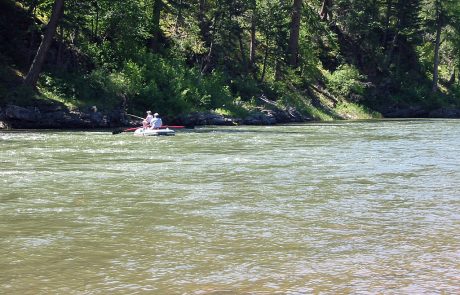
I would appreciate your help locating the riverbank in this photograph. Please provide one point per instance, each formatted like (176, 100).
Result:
(55, 116)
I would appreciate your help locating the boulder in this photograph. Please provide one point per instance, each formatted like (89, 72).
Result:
(259, 118)
(13, 112)
(203, 118)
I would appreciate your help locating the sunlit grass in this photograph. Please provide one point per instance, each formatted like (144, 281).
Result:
(52, 96)
(355, 111)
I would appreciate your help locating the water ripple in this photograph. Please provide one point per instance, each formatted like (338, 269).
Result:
(353, 207)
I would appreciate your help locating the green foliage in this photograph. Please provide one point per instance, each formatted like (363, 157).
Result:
(455, 96)
(245, 88)
(234, 110)
(169, 86)
(96, 88)
(202, 58)
(346, 80)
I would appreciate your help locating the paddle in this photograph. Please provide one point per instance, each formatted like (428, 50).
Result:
(120, 130)
(172, 126)
(135, 116)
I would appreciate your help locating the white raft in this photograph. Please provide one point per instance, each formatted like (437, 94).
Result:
(153, 132)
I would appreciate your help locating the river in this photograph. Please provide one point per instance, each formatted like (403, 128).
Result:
(330, 208)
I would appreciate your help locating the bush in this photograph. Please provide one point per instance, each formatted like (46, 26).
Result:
(163, 84)
(346, 80)
(169, 86)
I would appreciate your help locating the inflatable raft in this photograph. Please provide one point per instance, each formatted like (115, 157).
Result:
(153, 132)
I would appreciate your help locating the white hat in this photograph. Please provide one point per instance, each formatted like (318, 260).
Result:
(149, 112)
(156, 115)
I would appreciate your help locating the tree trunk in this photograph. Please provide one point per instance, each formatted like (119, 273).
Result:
(206, 27)
(32, 76)
(204, 24)
(252, 45)
(434, 88)
(60, 46)
(389, 56)
(293, 46)
(278, 71)
(207, 60)
(243, 53)
(387, 23)
(157, 7)
(452, 78)
(326, 10)
(264, 67)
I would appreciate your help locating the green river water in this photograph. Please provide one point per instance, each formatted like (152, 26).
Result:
(321, 208)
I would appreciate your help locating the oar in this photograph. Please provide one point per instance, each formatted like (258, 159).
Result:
(120, 130)
(172, 126)
(131, 129)
(135, 116)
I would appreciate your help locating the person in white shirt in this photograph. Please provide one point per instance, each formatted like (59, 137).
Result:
(156, 121)
(148, 120)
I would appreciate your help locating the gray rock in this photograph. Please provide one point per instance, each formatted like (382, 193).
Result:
(13, 112)
(259, 119)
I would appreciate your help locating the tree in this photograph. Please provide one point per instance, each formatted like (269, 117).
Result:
(293, 47)
(326, 10)
(446, 22)
(34, 72)
(439, 25)
(253, 40)
(156, 30)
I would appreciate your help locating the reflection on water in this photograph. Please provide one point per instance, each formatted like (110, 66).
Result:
(353, 207)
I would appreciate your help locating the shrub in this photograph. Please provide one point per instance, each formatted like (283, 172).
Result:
(346, 80)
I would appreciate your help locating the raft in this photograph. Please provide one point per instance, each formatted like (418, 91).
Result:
(154, 132)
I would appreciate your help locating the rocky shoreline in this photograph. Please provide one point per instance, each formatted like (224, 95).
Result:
(59, 117)
(49, 116)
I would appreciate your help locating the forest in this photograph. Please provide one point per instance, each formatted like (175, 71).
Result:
(327, 59)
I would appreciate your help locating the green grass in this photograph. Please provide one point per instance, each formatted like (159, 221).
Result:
(318, 114)
(355, 111)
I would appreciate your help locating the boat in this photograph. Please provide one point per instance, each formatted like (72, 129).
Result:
(163, 127)
(153, 132)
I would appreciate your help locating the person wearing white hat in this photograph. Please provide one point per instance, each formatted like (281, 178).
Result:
(156, 121)
(148, 120)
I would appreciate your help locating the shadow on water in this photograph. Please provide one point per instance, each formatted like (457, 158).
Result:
(270, 129)
(235, 131)
(238, 129)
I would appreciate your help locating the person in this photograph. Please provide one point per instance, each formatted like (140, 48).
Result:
(156, 121)
(147, 120)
